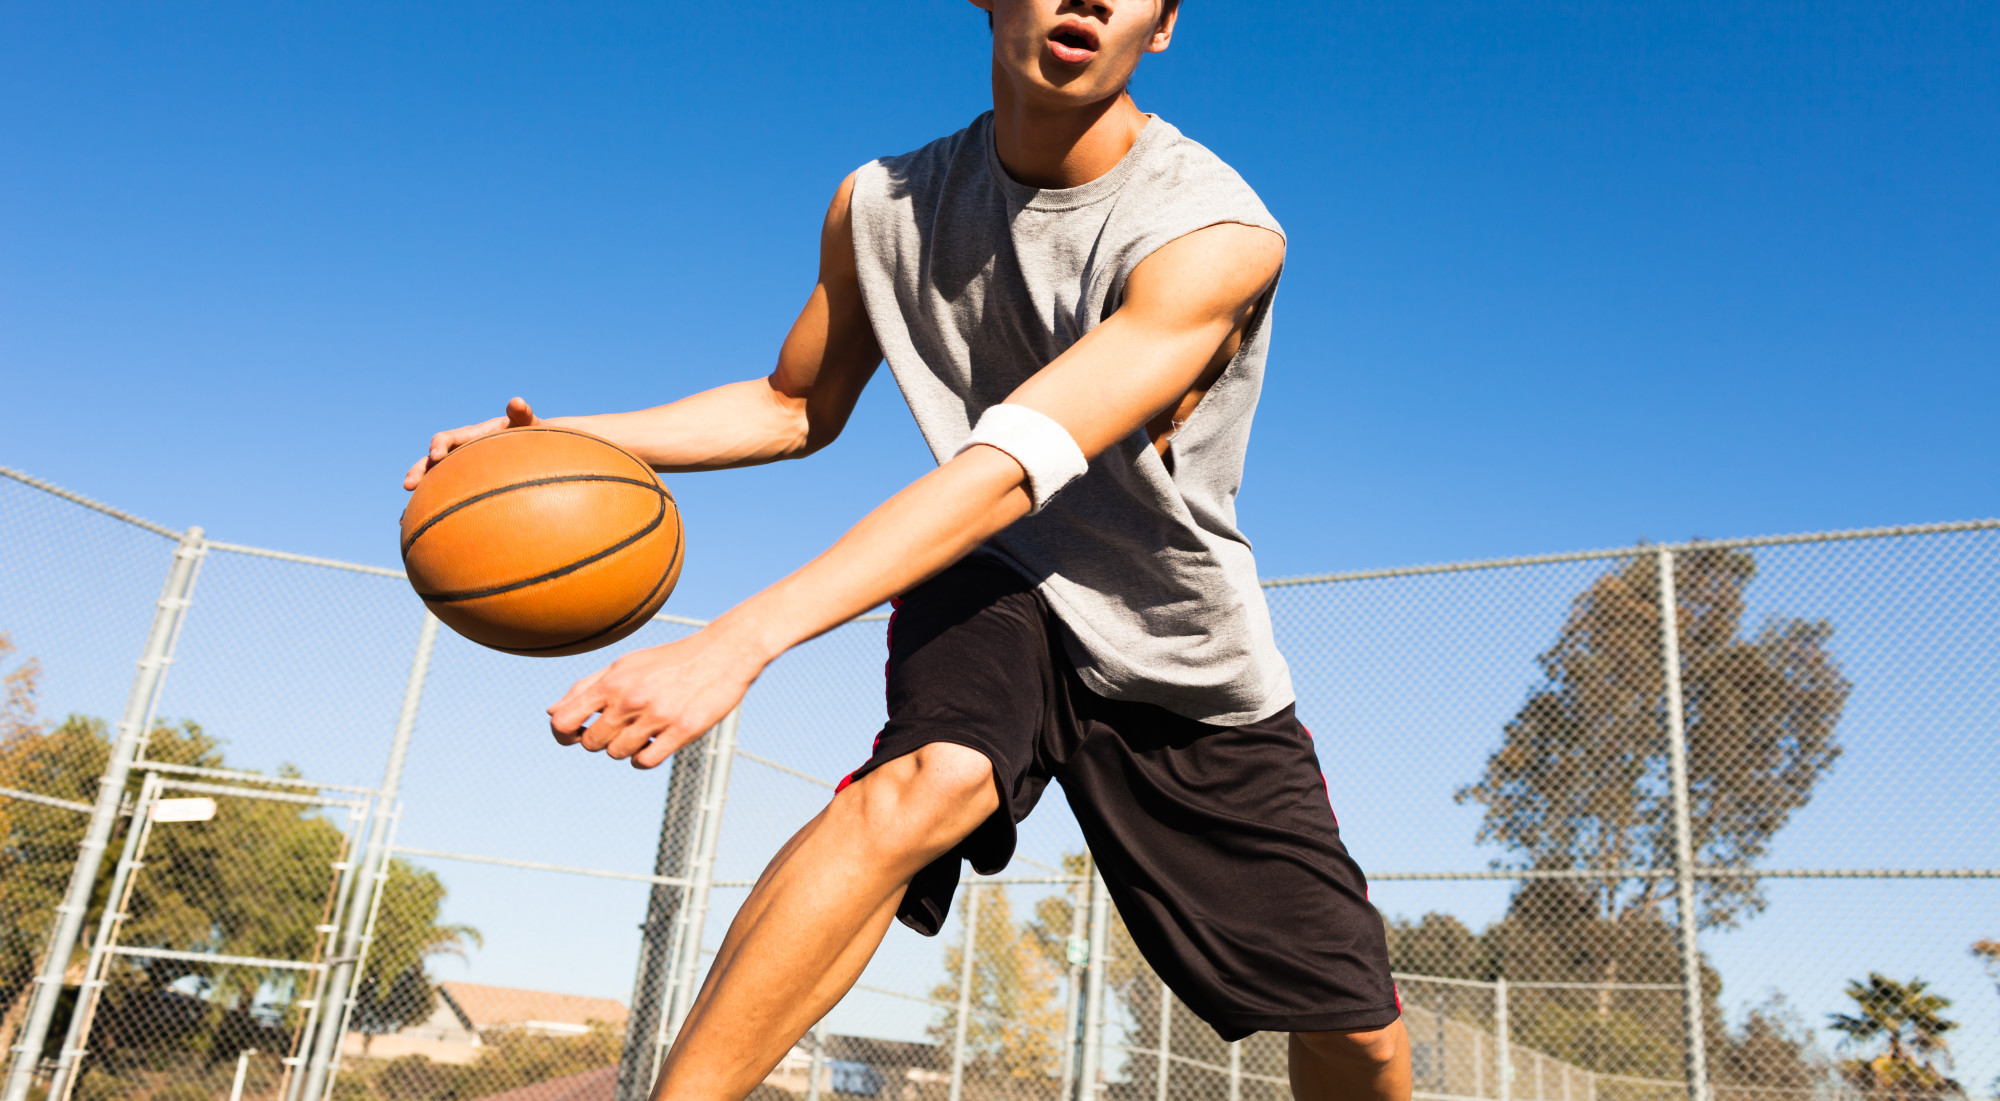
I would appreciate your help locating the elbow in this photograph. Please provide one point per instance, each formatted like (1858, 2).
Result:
(814, 437)
(788, 429)
(812, 428)
(801, 423)
(802, 436)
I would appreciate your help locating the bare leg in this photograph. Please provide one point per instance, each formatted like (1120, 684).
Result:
(817, 915)
(1372, 1065)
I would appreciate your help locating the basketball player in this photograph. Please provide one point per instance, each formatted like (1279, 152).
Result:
(1075, 300)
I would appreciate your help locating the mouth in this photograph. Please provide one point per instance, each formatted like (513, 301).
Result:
(1073, 42)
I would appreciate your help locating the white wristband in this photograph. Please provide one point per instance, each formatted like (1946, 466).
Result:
(1044, 448)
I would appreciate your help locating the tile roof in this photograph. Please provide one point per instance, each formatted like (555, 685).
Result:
(591, 1085)
(493, 1006)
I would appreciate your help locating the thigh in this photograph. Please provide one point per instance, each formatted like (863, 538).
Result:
(970, 664)
(1222, 853)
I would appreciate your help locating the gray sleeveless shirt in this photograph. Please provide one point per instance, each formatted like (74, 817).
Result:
(973, 282)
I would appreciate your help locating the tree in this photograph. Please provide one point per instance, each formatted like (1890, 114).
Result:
(394, 990)
(1441, 945)
(256, 880)
(1015, 1029)
(24, 905)
(1580, 779)
(1988, 952)
(38, 843)
(1580, 782)
(1908, 1021)
(1773, 1050)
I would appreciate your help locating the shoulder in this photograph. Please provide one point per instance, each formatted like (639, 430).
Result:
(900, 175)
(1221, 269)
(1189, 183)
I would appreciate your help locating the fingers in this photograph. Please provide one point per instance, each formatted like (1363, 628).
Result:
(518, 415)
(624, 723)
(568, 716)
(627, 727)
(621, 734)
(416, 473)
(444, 443)
(655, 753)
(650, 703)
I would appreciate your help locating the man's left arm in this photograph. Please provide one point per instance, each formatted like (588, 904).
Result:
(1185, 310)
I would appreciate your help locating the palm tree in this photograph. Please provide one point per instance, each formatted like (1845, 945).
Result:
(1909, 1022)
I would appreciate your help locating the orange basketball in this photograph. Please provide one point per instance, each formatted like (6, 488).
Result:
(542, 541)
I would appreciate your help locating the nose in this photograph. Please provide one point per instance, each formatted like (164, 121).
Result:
(1094, 9)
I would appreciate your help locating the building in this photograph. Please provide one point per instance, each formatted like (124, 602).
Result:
(468, 1014)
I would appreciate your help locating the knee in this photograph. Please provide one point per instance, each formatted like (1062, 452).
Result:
(1375, 1048)
(927, 799)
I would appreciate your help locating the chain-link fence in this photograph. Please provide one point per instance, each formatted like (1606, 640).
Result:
(1711, 820)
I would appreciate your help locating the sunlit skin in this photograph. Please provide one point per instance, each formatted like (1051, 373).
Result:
(1062, 117)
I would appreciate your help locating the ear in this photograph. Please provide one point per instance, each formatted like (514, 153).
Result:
(1163, 34)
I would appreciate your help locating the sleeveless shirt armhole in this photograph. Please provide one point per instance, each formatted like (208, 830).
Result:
(1151, 243)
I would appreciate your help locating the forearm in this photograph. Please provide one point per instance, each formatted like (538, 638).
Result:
(931, 524)
(740, 424)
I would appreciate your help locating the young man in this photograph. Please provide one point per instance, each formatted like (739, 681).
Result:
(1075, 300)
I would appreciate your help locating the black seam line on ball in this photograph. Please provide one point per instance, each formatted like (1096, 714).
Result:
(569, 433)
(559, 479)
(560, 571)
(530, 651)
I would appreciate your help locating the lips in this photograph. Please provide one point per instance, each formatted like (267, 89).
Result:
(1073, 41)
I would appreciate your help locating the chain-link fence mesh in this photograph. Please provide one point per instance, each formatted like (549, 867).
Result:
(208, 957)
(1547, 765)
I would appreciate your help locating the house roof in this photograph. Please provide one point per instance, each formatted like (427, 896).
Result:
(494, 1006)
(591, 1085)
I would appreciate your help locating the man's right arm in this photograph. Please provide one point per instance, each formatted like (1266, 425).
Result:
(825, 362)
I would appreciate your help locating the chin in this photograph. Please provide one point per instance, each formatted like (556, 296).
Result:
(1072, 85)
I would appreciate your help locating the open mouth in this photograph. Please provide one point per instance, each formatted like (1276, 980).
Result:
(1073, 41)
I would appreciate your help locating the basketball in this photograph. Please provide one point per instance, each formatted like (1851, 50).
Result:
(542, 541)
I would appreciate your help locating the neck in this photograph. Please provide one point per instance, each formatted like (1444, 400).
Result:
(1061, 146)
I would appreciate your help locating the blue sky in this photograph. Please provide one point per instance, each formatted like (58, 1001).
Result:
(1560, 276)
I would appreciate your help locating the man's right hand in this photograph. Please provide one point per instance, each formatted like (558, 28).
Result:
(518, 415)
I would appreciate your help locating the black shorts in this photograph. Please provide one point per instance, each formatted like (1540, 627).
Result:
(1217, 842)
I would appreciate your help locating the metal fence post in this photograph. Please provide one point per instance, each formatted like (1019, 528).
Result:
(1695, 1041)
(1443, 1053)
(1503, 1043)
(61, 1083)
(242, 1069)
(1093, 993)
(133, 726)
(652, 986)
(1166, 1042)
(1078, 951)
(701, 870)
(323, 1053)
(965, 972)
(817, 1062)
(1235, 1070)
